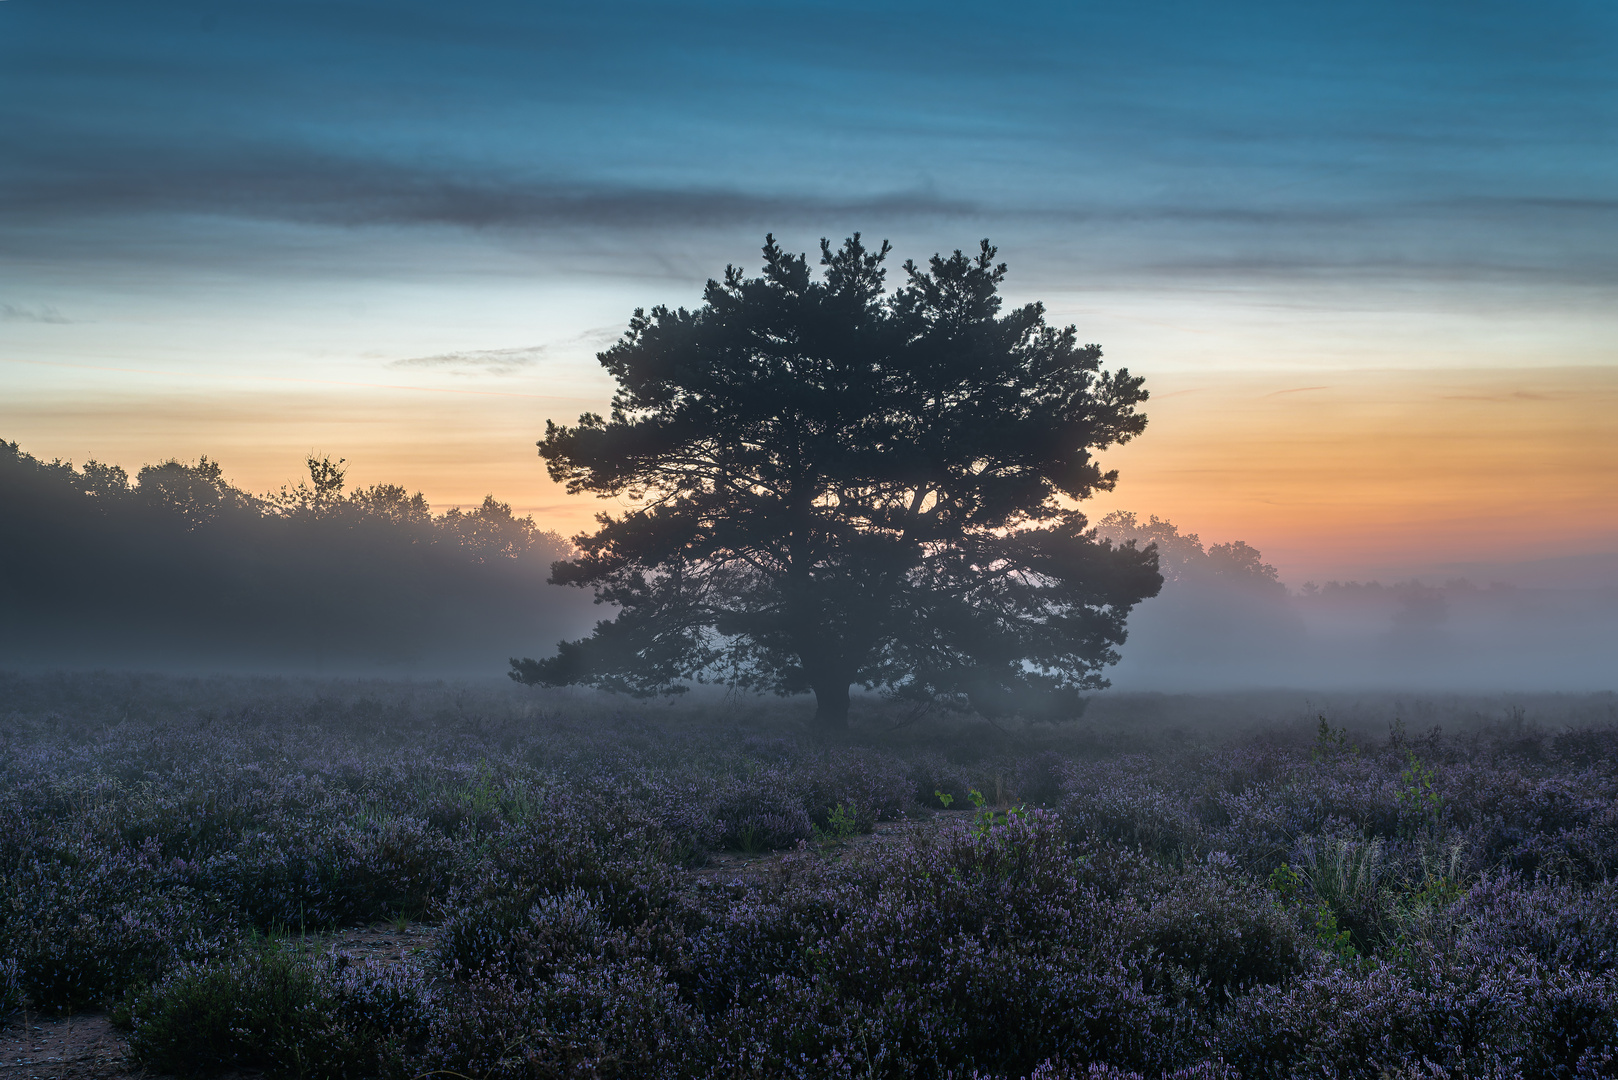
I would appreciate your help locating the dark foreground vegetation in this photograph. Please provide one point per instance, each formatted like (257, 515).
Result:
(1157, 889)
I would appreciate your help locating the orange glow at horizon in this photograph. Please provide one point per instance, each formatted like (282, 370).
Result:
(1328, 473)
(1336, 474)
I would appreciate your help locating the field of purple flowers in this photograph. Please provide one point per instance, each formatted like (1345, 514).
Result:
(1122, 895)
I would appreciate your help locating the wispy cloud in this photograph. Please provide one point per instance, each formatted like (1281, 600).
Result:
(476, 361)
(506, 361)
(42, 314)
(291, 183)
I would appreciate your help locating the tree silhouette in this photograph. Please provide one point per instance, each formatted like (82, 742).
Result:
(840, 486)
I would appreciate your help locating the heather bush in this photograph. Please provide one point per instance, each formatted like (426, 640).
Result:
(1225, 933)
(876, 787)
(1492, 1017)
(932, 774)
(970, 951)
(760, 813)
(535, 939)
(622, 1018)
(86, 924)
(1561, 924)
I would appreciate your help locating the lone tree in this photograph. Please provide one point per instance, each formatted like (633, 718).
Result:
(841, 486)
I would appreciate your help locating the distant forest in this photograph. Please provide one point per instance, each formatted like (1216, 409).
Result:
(178, 568)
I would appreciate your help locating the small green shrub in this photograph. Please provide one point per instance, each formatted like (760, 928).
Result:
(987, 819)
(842, 823)
(1332, 938)
(1287, 883)
(1420, 805)
(1331, 742)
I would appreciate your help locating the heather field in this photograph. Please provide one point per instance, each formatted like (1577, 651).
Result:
(340, 879)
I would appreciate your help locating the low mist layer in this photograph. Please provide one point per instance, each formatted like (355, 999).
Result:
(1224, 620)
(178, 569)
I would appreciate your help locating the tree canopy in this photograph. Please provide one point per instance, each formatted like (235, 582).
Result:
(834, 485)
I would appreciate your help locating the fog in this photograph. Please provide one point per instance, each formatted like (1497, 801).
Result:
(1224, 621)
(177, 570)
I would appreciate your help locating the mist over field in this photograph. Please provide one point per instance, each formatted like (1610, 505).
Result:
(177, 571)
(1224, 621)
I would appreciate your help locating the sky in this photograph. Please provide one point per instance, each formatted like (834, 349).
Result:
(1366, 255)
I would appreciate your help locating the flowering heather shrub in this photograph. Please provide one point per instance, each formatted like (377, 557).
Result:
(760, 813)
(1272, 905)
(1557, 923)
(625, 880)
(968, 950)
(616, 1019)
(877, 787)
(1225, 933)
(1495, 1017)
(87, 922)
(1126, 800)
(537, 940)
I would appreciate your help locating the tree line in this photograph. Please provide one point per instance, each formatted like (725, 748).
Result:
(178, 567)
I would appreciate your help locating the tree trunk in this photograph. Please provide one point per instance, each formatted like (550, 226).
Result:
(831, 707)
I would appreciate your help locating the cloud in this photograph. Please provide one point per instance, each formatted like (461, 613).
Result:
(477, 361)
(506, 361)
(296, 184)
(299, 183)
(68, 198)
(289, 182)
(42, 314)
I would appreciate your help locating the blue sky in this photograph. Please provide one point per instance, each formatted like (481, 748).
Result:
(221, 206)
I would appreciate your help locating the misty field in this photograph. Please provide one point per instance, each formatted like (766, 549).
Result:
(590, 886)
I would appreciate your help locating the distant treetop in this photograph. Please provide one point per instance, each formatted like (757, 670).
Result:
(1182, 556)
